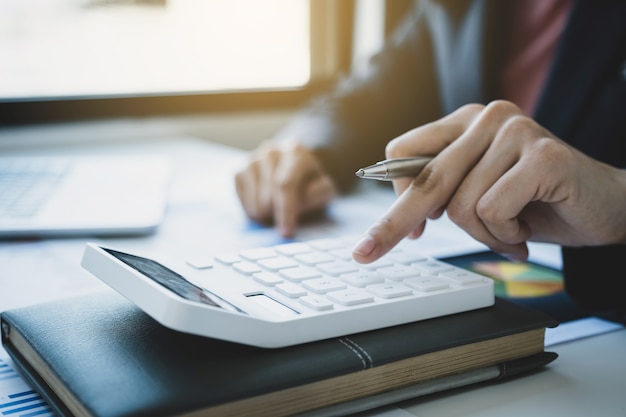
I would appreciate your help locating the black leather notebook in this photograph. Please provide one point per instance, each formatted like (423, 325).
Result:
(99, 355)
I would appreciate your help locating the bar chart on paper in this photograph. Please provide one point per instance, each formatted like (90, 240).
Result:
(17, 399)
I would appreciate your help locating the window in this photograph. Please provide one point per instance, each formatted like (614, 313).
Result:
(162, 54)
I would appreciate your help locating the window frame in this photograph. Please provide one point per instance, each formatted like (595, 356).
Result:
(331, 42)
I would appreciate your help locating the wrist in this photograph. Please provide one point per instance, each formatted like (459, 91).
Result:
(620, 178)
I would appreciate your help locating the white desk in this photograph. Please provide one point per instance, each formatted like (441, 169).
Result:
(588, 378)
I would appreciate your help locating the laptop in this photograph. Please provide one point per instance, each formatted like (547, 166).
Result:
(82, 195)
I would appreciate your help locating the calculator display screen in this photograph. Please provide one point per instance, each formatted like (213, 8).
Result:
(165, 277)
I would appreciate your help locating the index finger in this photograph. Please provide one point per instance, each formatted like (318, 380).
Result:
(462, 137)
(404, 215)
(294, 176)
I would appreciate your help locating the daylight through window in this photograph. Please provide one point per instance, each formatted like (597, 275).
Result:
(59, 48)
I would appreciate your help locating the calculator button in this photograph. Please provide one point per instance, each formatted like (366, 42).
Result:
(267, 278)
(389, 290)
(316, 302)
(350, 297)
(246, 268)
(399, 272)
(406, 257)
(323, 285)
(461, 277)
(427, 283)
(363, 278)
(378, 263)
(291, 290)
(314, 258)
(228, 258)
(432, 266)
(300, 273)
(291, 249)
(277, 263)
(337, 268)
(257, 253)
(326, 244)
(345, 254)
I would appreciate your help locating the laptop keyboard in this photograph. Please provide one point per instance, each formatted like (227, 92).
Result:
(25, 185)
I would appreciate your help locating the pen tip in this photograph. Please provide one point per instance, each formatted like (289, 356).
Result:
(359, 173)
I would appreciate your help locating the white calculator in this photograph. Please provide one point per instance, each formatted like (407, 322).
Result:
(290, 293)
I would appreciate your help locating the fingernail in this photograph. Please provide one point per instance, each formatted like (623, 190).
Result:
(365, 246)
(516, 258)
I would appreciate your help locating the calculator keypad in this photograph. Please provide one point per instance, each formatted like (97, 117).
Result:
(321, 274)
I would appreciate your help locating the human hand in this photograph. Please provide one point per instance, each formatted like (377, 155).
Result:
(505, 180)
(282, 182)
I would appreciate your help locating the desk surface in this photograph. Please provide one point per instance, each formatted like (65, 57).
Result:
(587, 379)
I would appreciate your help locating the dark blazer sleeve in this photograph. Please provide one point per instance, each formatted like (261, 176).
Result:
(584, 103)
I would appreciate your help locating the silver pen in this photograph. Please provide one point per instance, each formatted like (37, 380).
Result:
(391, 169)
